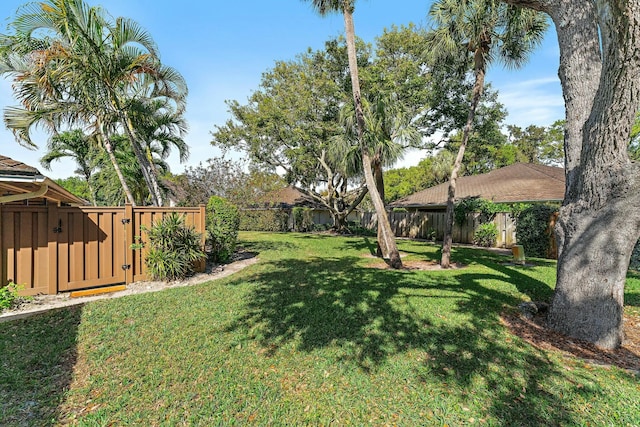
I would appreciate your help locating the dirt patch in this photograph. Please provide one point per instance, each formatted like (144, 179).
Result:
(42, 303)
(411, 265)
(535, 332)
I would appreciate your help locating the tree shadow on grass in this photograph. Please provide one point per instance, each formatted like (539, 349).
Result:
(38, 355)
(369, 316)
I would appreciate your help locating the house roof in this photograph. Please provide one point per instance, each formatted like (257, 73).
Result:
(520, 182)
(19, 181)
(287, 197)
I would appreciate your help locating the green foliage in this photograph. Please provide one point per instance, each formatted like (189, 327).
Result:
(223, 223)
(173, 248)
(9, 297)
(302, 219)
(430, 171)
(275, 220)
(486, 208)
(635, 257)
(486, 235)
(75, 185)
(532, 230)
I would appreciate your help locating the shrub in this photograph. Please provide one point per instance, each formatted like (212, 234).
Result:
(9, 297)
(635, 257)
(532, 230)
(302, 219)
(275, 220)
(173, 248)
(486, 235)
(223, 223)
(486, 208)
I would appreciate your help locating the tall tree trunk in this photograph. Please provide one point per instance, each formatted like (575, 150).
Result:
(114, 162)
(92, 191)
(602, 185)
(447, 241)
(389, 242)
(148, 171)
(379, 178)
(601, 91)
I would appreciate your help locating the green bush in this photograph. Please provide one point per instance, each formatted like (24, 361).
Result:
(274, 220)
(174, 248)
(635, 257)
(532, 230)
(223, 223)
(486, 235)
(486, 208)
(9, 297)
(302, 219)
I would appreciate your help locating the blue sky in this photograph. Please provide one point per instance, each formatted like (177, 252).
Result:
(222, 49)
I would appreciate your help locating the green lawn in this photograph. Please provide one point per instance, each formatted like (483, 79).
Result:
(311, 335)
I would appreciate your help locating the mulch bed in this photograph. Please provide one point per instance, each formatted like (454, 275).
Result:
(536, 333)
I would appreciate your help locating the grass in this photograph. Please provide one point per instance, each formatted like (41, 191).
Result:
(311, 335)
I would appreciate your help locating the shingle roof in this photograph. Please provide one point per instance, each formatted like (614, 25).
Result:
(520, 182)
(17, 178)
(13, 167)
(287, 197)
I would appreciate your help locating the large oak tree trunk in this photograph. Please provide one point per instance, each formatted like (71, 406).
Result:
(599, 221)
(388, 238)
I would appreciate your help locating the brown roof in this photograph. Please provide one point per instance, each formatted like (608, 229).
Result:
(17, 178)
(520, 182)
(9, 166)
(287, 197)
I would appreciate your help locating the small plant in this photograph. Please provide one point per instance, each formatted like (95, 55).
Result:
(430, 234)
(223, 222)
(9, 297)
(486, 235)
(173, 248)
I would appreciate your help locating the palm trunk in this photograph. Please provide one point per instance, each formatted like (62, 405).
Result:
(114, 162)
(447, 241)
(379, 178)
(388, 239)
(145, 165)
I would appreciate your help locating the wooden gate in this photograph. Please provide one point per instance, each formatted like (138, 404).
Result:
(91, 247)
(51, 249)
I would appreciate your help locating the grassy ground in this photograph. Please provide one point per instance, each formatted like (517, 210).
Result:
(311, 335)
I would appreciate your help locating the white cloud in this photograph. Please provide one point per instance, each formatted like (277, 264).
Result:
(532, 102)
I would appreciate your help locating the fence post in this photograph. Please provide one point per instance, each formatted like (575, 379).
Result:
(3, 255)
(203, 224)
(52, 248)
(129, 254)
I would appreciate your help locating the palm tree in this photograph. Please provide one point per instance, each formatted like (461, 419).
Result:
(346, 7)
(389, 131)
(77, 146)
(91, 68)
(486, 30)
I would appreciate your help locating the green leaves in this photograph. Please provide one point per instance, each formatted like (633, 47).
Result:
(173, 248)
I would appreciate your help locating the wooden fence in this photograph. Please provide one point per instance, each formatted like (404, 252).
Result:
(430, 225)
(51, 249)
